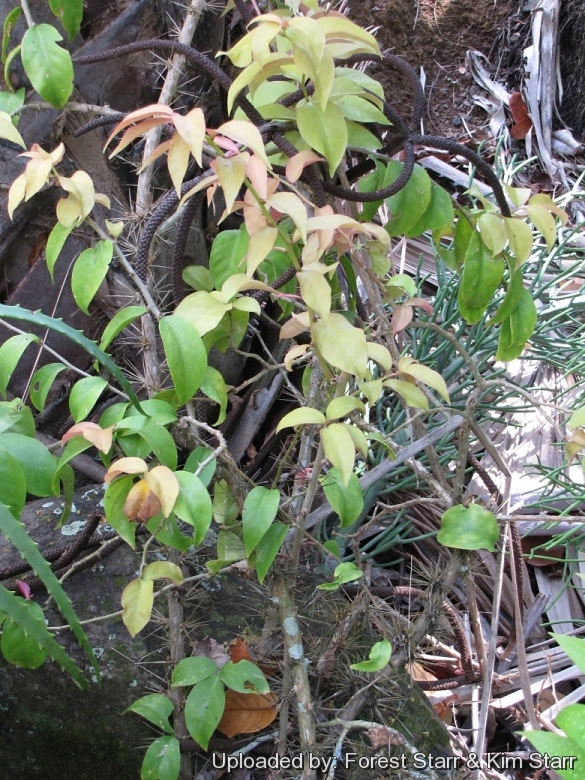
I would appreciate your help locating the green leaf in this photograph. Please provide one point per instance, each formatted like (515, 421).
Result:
(342, 345)
(345, 572)
(163, 570)
(481, 277)
(230, 546)
(306, 415)
(339, 449)
(379, 658)
(577, 419)
(411, 394)
(16, 533)
(227, 252)
(114, 500)
(193, 504)
(17, 646)
(359, 109)
(55, 243)
(8, 63)
(213, 386)
(517, 329)
(84, 396)
(70, 13)
(158, 438)
(468, 528)
(156, 708)
(324, 131)
(158, 410)
(137, 601)
(47, 65)
(346, 500)
(511, 299)
(197, 457)
(341, 407)
(42, 382)
(268, 548)
(193, 670)
(170, 534)
(12, 101)
(260, 508)
(204, 708)
(574, 647)
(572, 721)
(16, 417)
(439, 213)
(35, 460)
(162, 760)
(44, 321)
(244, 677)
(12, 482)
(10, 353)
(198, 277)
(186, 355)
(89, 272)
(370, 183)
(409, 205)
(14, 608)
(553, 745)
(9, 23)
(359, 137)
(119, 321)
(225, 509)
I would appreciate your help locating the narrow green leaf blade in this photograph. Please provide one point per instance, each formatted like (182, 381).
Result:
(84, 396)
(10, 353)
(119, 321)
(42, 382)
(186, 355)
(204, 708)
(260, 508)
(89, 272)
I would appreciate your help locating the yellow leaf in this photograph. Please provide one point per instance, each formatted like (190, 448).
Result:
(324, 79)
(163, 570)
(339, 449)
(424, 374)
(102, 199)
(305, 30)
(359, 439)
(231, 172)
(247, 134)
(137, 601)
(272, 66)
(36, 174)
(316, 292)
(101, 438)
(339, 28)
(262, 38)
(115, 228)
(178, 161)
(342, 345)
(155, 154)
(239, 283)
(291, 204)
(203, 184)
(191, 128)
(8, 131)
(520, 239)
(544, 222)
(261, 243)
(410, 393)
(294, 352)
(16, 193)
(165, 486)
(68, 211)
(125, 466)
(380, 354)
(306, 415)
(241, 53)
(203, 311)
(548, 203)
(297, 324)
(80, 185)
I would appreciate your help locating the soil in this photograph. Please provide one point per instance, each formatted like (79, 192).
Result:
(436, 34)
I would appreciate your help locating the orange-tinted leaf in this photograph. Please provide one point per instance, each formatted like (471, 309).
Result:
(295, 165)
(519, 111)
(247, 713)
(164, 484)
(141, 503)
(240, 651)
(101, 438)
(191, 128)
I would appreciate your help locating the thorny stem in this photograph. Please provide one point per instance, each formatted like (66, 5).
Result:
(82, 108)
